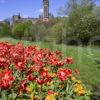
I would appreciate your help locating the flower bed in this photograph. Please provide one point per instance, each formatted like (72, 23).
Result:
(29, 73)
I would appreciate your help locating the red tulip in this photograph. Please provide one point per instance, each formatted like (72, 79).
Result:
(69, 71)
(30, 78)
(69, 60)
(23, 85)
(60, 63)
(77, 71)
(6, 79)
(40, 82)
(50, 92)
(62, 74)
(44, 74)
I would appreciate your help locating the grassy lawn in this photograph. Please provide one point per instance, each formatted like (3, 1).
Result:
(84, 59)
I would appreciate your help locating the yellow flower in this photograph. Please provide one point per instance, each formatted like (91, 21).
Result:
(50, 97)
(73, 78)
(80, 88)
(75, 90)
(76, 85)
(53, 75)
(30, 88)
(81, 92)
(49, 83)
(70, 75)
(78, 81)
(56, 93)
(61, 86)
(32, 96)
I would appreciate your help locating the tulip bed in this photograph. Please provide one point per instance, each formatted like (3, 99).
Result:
(30, 73)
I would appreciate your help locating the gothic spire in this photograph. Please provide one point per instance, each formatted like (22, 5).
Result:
(45, 10)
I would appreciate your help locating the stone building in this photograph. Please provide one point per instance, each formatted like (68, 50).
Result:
(44, 17)
(19, 19)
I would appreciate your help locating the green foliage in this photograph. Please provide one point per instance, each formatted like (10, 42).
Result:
(4, 30)
(42, 31)
(56, 33)
(21, 29)
(82, 21)
(87, 28)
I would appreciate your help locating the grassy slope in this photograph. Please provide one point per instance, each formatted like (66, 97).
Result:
(84, 59)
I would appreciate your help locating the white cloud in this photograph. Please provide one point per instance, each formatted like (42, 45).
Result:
(41, 10)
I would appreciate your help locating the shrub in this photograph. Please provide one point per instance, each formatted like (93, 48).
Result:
(4, 30)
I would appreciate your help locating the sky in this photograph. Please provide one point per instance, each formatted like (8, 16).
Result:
(29, 8)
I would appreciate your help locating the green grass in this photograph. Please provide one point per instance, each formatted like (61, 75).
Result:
(84, 59)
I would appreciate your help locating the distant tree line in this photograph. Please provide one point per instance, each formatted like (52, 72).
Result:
(82, 22)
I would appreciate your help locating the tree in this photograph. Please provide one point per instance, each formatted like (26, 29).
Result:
(85, 3)
(81, 21)
(87, 28)
(56, 33)
(41, 32)
(97, 11)
(21, 29)
(5, 30)
(69, 7)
